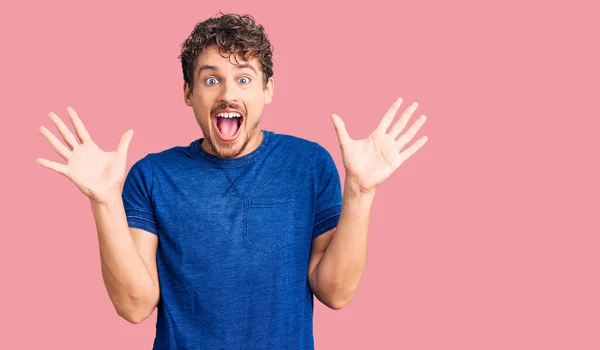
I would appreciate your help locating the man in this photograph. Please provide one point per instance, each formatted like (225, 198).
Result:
(231, 236)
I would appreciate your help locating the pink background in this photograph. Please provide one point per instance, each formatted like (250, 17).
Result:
(488, 238)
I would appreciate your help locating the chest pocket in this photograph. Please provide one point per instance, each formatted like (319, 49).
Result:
(269, 224)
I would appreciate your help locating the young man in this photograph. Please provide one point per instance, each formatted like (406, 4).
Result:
(232, 235)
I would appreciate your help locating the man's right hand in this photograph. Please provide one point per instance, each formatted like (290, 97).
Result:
(96, 173)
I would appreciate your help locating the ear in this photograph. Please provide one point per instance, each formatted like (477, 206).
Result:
(269, 89)
(187, 94)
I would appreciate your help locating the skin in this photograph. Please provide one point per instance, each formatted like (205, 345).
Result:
(338, 257)
(225, 86)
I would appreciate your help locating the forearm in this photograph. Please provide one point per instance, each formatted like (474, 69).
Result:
(126, 277)
(341, 267)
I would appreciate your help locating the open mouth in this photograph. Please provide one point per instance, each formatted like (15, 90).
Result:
(228, 125)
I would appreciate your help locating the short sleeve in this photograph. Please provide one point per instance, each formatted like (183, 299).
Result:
(328, 196)
(137, 194)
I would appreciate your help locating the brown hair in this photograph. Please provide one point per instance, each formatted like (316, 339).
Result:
(233, 34)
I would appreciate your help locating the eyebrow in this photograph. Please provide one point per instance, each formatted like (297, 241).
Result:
(216, 69)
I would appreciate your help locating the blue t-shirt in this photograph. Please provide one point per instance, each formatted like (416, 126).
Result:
(234, 240)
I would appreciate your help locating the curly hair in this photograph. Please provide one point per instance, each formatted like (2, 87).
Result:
(233, 34)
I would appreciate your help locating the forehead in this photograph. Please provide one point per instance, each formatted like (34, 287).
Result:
(212, 57)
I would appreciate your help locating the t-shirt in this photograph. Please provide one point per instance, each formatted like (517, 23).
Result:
(234, 240)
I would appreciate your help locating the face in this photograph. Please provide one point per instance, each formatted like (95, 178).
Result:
(228, 100)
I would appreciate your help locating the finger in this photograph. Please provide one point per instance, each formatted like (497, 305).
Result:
(59, 168)
(411, 132)
(401, 123)
(66, 134)
(388, 117)
(407, 153)
(58, 146)
(123, 145)
(80, 129)
(340, 129)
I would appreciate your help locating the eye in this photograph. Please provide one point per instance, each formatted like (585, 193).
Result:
(246, 78)
(209, 79)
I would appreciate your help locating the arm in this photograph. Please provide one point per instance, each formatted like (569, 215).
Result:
(128, 260)
(127, 256)
(338, 257)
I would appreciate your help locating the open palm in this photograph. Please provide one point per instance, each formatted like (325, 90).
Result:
(94, 171)
(370, 161)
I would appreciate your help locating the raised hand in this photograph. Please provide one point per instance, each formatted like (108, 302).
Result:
(370, 161)
(96, 173)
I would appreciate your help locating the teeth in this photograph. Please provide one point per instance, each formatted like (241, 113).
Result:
(229, 115)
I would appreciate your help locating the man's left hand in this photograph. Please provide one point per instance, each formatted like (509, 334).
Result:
(370, 161)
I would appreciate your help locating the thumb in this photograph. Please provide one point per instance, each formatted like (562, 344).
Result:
(340, 129)
(123, 145)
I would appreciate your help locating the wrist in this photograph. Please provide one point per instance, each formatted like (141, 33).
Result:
(106, 196)
(354, 189)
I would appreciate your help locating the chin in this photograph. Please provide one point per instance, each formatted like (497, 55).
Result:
(228, 150)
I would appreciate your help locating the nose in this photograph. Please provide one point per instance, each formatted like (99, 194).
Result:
(229, 92)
